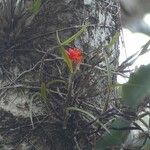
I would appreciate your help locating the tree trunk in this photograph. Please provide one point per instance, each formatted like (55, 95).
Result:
(30, 57)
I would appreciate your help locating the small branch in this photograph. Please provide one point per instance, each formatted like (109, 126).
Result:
(19, 86)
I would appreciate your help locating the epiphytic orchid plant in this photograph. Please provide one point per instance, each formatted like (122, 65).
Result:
(72, 56)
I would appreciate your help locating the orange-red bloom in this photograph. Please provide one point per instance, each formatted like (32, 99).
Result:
(75, 55)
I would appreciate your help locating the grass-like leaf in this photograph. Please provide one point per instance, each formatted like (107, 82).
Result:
(75, 36)
(55, 81)
(64, 54)
(43, 91)
(113, 40)
(145, 48)
(109, 73)
(35, 7)
(129, 61)
(89, 115)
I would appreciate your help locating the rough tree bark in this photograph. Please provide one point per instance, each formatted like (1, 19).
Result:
(29, 50)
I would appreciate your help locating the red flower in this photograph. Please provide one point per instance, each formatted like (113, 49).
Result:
(75, 55)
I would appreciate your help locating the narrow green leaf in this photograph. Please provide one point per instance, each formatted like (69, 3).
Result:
(145, 48)
(109, 73)
(56, 81)
(36, 6)
(43, 91)
(66, 58)
(75, 36)
(88, 114)
(64, 54)
(114, 40)
(129, 61)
